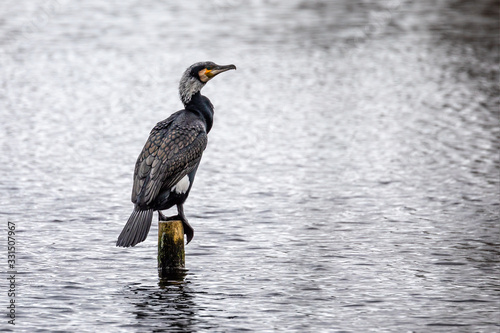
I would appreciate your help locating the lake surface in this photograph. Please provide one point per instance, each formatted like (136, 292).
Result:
(351, 182)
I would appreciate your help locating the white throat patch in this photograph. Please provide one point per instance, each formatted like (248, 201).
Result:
(182, 186)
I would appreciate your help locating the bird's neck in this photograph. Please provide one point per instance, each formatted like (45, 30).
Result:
(201, 105)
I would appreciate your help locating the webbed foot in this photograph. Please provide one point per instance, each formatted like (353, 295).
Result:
(188, 229)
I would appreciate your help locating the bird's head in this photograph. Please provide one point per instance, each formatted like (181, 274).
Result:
(196, 76)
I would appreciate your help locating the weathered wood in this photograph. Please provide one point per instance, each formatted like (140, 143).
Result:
(171, 254)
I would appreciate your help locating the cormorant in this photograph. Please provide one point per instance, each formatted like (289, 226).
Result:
(165, 169)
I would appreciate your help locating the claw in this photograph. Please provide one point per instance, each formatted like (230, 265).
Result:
(188, 229)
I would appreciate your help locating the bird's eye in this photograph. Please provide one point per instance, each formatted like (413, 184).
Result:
(208, 68)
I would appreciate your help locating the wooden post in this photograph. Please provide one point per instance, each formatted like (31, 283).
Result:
(171, 255)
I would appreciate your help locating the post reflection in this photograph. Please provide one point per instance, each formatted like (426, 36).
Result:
(171, 277)
(166, 307)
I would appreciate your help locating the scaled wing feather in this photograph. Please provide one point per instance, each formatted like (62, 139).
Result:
(171, 152)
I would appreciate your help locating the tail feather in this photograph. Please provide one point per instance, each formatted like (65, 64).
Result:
(137, 228)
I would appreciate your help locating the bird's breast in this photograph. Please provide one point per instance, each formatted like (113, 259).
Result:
(182, 186)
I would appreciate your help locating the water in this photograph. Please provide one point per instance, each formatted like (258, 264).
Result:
(351, 182)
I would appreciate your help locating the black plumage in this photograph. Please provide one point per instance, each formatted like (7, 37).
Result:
(166, 167)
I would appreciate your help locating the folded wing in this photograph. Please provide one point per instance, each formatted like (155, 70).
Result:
(173, 149)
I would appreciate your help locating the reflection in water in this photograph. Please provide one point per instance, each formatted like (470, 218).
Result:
(172, 277)
(167, 307)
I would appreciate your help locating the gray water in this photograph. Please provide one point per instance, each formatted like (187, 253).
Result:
(351, 182)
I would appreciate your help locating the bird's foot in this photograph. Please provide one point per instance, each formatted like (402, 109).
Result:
(188, 229)
(162, 217)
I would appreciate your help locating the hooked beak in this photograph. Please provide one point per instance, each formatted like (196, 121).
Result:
(217, 70)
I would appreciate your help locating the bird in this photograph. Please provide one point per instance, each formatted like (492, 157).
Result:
(166, 167)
